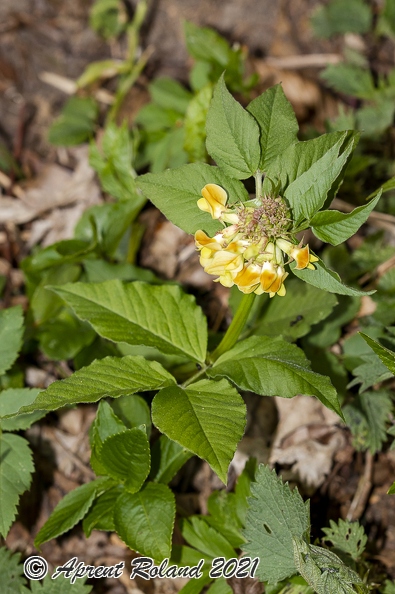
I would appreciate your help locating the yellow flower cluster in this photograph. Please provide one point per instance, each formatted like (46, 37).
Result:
(249, 252)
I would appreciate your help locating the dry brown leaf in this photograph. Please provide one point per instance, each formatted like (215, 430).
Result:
(306, 440)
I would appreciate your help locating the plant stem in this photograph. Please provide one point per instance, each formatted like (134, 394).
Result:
(235, 328)
(258, 184)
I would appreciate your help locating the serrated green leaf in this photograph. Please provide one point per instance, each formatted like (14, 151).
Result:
(275, 515)
(277, 121)
(368, 417)
(336, 227)
(11, 401)
(207, 418)
(176, 192)
(308, 193)
(293, 315)
(114, 164)
(145, 520)
(206, 539)
(16, 470)
(167, 459)
(386, 356)
(173, 322)
(369, 372)
(111, 376)
(195, 129)
(326, 279)
(12, 573)
(273, 367)
(126, 458)
(101, 514)
(71, 509)
(11, 333)
(232, 135)
(348, 537)
(349, 79)
(325, 571)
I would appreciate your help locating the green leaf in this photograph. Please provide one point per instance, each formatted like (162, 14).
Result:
(16, 469)
(106, 423)
(11, 401)
(206, 44)
(133, 412)
(349, 79)
(139, 313)
(308, 193)
(293, 315)
(386, 356)
(106, 18)
(166, 151)
(325, 571)
(11, 333)
(336, 227)
(170, 94)
(369, 372)
(326, 279)
(277, 121)
(338, 18)
(65, 336)
(108, 222)
(391, 490)
(100, 69)
(298, 158)
(126, 458)
(67, 251)
(76, 123)
(101, 514)
(195, 125)
(71, 509)
(207, 418)
(112, 377)
(145, 520)
(167, 459)
(275, 515)
(368, 417)
(389, 587)
(348, 537)
(114, 163)
(223, 508)
(176, 192)
(12, 573)
(232, 135)
(98, 271)
(62, 585)
(220, 586)
(206, 539)
(273, 367)
(45, 304)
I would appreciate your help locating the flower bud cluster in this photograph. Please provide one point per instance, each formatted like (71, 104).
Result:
(250, 251)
